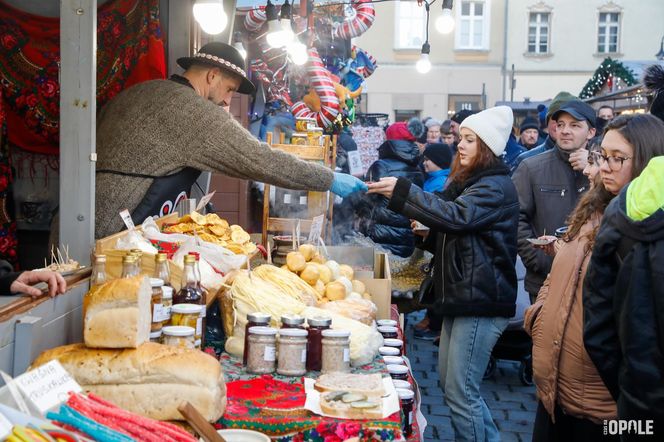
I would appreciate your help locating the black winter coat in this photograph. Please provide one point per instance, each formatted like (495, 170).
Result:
(392, 231)
(623, 311)
(473, 238)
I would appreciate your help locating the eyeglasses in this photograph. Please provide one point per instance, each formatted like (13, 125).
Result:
(615, 163)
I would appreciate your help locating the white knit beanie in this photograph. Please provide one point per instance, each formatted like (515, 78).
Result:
(493, 126)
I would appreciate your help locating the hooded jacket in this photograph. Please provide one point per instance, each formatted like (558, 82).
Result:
(473, 238)
(397, 158)
(623, 302)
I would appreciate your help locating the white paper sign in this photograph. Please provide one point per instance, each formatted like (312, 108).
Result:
(47, 385)
(316, 229)
(126, 218)
(205, 200)
(355, 163)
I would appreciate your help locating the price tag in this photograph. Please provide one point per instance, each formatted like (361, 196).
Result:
(355, 163)
(204, 201)
(126, 218)
(270, 353)
(316, 229)
(47, 385)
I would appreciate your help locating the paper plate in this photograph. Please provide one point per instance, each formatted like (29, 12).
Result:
(238, 435)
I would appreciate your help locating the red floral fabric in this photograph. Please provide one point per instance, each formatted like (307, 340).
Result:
(8, 238)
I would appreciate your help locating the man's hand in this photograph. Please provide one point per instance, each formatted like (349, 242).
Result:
(22, 284)
(383, 187)
(579, 159)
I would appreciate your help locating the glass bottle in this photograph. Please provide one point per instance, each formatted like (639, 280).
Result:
(128, 266)
(189, 293)
(161, 270)
(99, 273)
(202, 291)
(138, 253)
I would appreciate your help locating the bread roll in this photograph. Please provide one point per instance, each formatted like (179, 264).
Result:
(117, 314)
(151, 380)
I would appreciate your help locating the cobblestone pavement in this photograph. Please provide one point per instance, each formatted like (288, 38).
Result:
(512, 404)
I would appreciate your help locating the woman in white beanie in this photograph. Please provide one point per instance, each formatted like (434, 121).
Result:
(473, 230)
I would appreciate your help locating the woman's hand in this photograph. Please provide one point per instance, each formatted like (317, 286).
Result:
(383, 187)
(418, 229)
(25, 281)
(550, 248)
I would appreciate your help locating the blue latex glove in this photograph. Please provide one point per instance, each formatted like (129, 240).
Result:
(344, 184)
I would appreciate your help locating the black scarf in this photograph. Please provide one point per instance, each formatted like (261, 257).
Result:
(454, 189)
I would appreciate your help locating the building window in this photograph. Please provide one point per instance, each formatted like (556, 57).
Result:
(608, 32)
(409, 25)
(538, 33)
(456, 103)
(406, 114)
(473, 25)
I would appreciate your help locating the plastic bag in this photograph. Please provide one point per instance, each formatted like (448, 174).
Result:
(135, 240)
(361, 310)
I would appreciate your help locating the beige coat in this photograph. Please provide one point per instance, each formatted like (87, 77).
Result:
(562, 370)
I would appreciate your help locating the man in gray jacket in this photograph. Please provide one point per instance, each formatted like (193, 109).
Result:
(549, 187)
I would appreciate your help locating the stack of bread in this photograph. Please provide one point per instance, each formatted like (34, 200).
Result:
(351, 396)
(119, 364)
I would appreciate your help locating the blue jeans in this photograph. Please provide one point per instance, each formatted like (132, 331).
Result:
(465, 347)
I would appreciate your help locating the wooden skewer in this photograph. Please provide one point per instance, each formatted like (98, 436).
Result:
(198, 423)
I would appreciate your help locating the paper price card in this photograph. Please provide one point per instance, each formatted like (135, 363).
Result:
(355, 163)
(126, 218)
(316, 229)
(204, 201)
(47, 385)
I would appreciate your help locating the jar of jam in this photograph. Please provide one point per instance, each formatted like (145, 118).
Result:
(389, 322)
(156, 304)
(292, 352)
(315, 341)
(167, 303)
(399, 383)
(336, 351)
(188, 315)
(398, 372)
(389, 351)
(292, 321)
(394, 360)
(178, 336)
(155, 337)
(407, 399)
(394, 343)
(262, 350)
(255, 319)
(388, 332)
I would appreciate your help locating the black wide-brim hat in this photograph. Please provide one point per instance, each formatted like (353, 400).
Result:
(222, 56)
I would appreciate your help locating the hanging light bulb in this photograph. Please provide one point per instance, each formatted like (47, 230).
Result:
(279, 32)
(445, 23)
(286, 15)
(211, 16)
(423, 65)
(298, 52)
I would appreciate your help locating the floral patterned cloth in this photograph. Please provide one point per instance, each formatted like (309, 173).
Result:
(8, 238)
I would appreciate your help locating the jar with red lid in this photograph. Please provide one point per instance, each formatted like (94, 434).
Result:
(256, 319)
(315, 341)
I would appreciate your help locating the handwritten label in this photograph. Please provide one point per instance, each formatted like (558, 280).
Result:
(355, 163)
(126, 218)
(204, 201)
(47, 385)
(316, 228)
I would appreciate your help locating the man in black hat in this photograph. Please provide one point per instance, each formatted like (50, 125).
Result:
(155, 138)
(550, 185)
(529, 133)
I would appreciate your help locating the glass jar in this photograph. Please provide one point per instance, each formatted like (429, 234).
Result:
(394, 343)
(155, 337)
(407, 399)
(292, 352)
(398, 372)
(138, 253)
(262, 350)
(394, 360)
(188, 315)
(98, 276)
(388, 322)
(315, 341)
(292, 321)
(400, 383)
(167, 303)
(156, 305)
(389, 351)
(178, 336)
(336, 351)
(388, 332)
(255, 319)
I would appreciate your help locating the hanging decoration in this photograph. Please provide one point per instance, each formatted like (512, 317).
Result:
(606, 74)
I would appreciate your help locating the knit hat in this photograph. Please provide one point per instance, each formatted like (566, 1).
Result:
(440, 154)
(557, 103)
(653, 79)
(528, 123)
(462, 115)
(493, 126)
(410, 131)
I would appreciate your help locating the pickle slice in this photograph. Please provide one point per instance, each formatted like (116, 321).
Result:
(363, 404)
(335, 396)
(353, 397)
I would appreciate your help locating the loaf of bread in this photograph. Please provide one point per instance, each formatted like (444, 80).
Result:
(369, 385)
(151, 380)
(117, 314)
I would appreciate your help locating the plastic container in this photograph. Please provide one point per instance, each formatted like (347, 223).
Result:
(388, 322)
(388, 331)
(398, 372)
(188, 315)
(178, 336)
(407, 399)
(155, 337)
(292, 344)
(389, 351)
(255, 319)
(262, 352)
(315, 342)
(336, 351)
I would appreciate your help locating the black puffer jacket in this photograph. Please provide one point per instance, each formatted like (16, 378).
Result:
(473, 237)
(397, 158)
(623, 311)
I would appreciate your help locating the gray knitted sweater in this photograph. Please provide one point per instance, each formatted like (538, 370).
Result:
(158, 127)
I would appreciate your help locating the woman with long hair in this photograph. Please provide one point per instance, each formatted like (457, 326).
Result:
(574, 402)
(473, 229)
